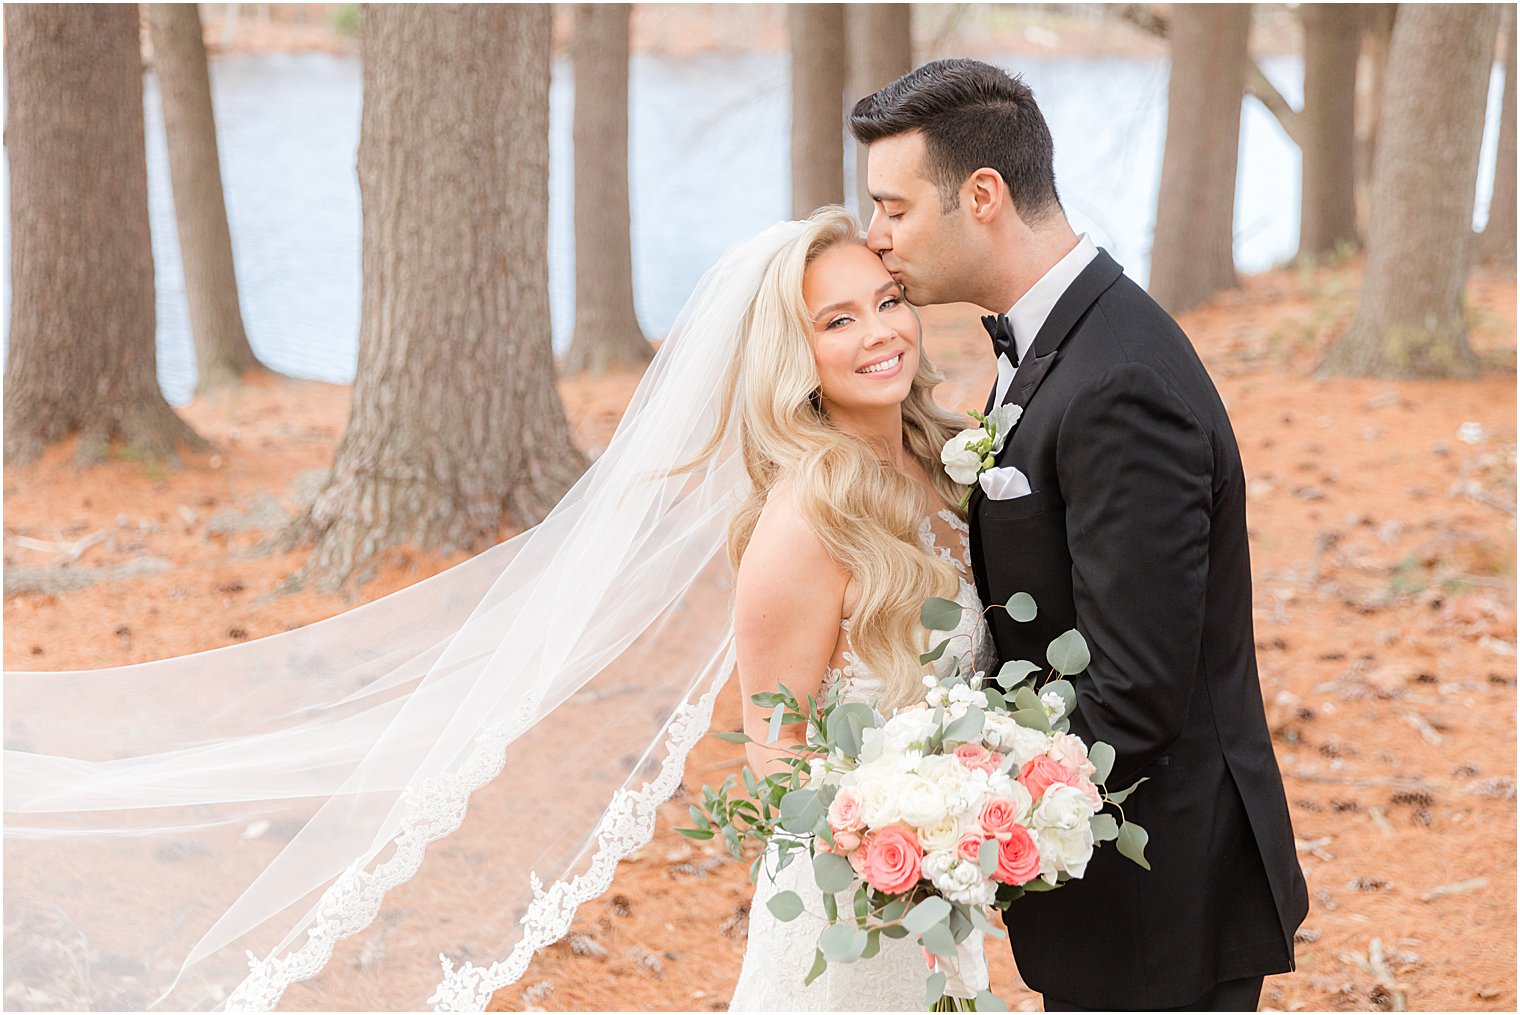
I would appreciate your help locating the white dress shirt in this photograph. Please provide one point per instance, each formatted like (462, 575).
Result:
(1029, 313)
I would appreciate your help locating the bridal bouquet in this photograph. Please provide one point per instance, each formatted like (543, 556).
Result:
(919, 821)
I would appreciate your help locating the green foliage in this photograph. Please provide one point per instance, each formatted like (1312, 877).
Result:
(940, 614)
(1021, 607)
(1068, 654)
(1132, 840)
(345, 19)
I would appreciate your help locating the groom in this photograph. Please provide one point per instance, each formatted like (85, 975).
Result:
(1119, 503)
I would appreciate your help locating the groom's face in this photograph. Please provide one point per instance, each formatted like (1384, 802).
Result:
(923, 247)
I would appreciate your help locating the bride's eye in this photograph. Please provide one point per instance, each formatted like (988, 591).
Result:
(836, 321)
(890, 304)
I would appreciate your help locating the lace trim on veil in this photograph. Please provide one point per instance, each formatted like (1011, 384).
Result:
(435, 809)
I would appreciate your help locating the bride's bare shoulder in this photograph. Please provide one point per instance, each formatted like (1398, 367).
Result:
(785, 547)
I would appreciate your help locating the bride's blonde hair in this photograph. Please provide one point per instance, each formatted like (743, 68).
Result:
(866, 510)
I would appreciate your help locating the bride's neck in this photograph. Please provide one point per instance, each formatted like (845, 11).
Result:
(881, 428)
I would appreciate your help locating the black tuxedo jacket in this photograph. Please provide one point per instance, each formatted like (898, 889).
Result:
(1135, 534)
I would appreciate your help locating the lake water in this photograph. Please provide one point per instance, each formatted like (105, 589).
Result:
(708, 167)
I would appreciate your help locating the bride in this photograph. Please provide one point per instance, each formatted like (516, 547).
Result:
(400, 805)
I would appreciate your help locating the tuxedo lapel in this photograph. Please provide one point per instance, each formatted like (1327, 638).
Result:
(1101, 272)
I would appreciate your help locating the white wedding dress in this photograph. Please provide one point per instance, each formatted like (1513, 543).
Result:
(779, 955)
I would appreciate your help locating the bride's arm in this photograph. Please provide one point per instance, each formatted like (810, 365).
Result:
(787, 606)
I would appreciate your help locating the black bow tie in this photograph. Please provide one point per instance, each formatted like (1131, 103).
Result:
(1001, 331)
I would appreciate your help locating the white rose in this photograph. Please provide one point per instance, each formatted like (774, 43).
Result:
(963, 789)
(1070, 751)
(958, 880)
(920, 802)
(1063, 807)
(962, 464)
(941, 835)
(878, 803)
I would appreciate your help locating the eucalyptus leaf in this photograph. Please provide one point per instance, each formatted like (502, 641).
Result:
(1123, 794)
(1068, 654)
(895, 909)
(846, 723)
(873, 944)
(819, 965)
(832, 873)
(980, 922)
(830, 907)
(732, 738)
(968, 727)
(987, 857)
(934, 989)
(1021, 607)
(940, 614)
(1105, 827)
(1014, 671)
(836, 943)
(959, 923)
(1032, 718)
(1132, 840)
(1102, 757)
(934, 653)
(894, 932)
(926, 914)
(1027, 697)
(939, 941)
(995, 701)
(800, 811)
(986, 1000)
(696, 833)
(775, 725)
(785, 906)
(1038, 885)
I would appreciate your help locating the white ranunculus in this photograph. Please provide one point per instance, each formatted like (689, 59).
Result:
(1064, 849)
(944, 834)
(909, 729)
(1063, 807)
(1002, 733)
(1055, 706)
(921, 802)
(961, 463)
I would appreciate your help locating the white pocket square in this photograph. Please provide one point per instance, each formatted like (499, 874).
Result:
(1005, 483)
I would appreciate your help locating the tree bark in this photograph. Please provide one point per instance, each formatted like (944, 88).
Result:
(607, 332)
(82, 357)
(1497, 244)
(1193, 252)
(1377, 23)
(818, 69)
(456, 416)
(1410, 320)
(1327, 210)
(880, 44)
(222, 354)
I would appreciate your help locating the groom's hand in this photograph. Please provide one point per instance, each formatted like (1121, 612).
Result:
(1136, 472)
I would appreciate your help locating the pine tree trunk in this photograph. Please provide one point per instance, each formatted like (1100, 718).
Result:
(1410, 321)
(1497, 244)
(1193, 252)
(222, 353)
(818, 67)
(1327, 212)
(1377, 23)
(82, 326)
(456, 416)
(607, 332)
(880, 43)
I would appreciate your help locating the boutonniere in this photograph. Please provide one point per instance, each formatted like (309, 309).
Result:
(974, 450)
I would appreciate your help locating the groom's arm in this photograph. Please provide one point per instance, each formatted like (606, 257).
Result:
(1136, 473)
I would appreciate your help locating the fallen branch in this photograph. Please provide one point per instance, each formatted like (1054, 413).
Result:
(1455, 888)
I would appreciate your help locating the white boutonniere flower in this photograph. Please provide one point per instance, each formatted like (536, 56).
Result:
(973, 451)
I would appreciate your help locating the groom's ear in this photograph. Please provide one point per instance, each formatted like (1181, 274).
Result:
(985, 194)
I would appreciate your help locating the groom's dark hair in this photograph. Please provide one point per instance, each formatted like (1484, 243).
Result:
(971, 115)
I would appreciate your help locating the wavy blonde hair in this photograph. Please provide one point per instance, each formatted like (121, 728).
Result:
(866, 510)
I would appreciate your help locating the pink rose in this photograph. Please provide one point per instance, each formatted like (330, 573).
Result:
(1070, 751)
(1041, 772)
(892, 859)
(1085, 784)
(845, 812)
(998, 818)
(928, 957)
(845, 842)
(969, 844)
(1018, 859)
(976, 758)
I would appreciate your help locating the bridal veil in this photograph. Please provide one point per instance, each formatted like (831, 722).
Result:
(396, 807)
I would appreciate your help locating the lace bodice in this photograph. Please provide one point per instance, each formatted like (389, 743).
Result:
(947, 537)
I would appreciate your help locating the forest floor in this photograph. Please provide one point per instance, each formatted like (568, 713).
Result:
(1382, 517)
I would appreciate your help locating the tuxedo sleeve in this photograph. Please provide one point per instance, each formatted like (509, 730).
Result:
(1136, 473)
